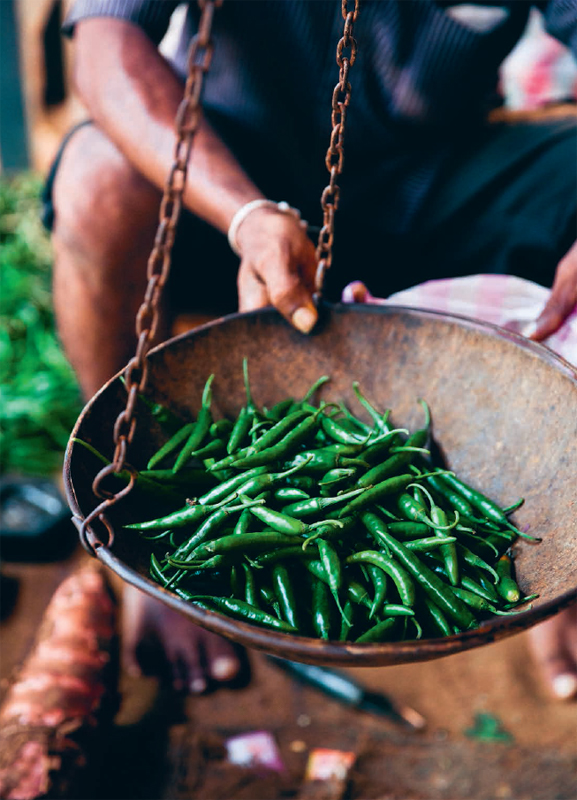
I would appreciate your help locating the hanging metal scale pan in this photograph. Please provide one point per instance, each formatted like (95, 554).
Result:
(504, 413)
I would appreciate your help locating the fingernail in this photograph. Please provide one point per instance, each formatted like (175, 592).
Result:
(197, 685)
(565, 686)
(223, 668)
(304, 319)
(530, 330)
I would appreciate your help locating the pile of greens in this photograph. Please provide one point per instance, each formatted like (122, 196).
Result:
(39, 395)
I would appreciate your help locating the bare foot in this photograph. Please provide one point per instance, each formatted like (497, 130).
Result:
(155, 639)
(554, 647)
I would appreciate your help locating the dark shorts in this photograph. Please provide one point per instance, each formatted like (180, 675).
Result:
(506, 203)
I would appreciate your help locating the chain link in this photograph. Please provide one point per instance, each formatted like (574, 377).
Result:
(147, 319)
(346, 55)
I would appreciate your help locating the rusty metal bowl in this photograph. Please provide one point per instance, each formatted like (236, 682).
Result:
(504, 413)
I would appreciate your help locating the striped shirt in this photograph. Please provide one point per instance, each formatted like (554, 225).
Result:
(425, 77)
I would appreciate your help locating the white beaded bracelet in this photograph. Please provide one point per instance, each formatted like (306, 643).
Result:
(248, 208)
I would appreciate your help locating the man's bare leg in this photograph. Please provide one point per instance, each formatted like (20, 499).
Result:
(105, 220)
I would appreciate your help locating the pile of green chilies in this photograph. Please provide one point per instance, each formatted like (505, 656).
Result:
(305, 519)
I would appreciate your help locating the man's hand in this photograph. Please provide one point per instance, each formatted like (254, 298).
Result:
(561, 303)
(277, 267)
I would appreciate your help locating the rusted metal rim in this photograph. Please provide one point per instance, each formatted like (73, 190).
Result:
(301, 648)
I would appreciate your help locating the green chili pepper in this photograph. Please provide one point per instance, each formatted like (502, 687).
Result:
(380, 584)
(485, 583)
(156, 571)
(161, 413)
(374, 494)
(456, 501)
(210, 526)
(210, 450)
(501, 541)
(437, 617)
(283, 448)
(192, 477)
(377, 448)
(215, 562)
(221, 428)
(429, 543)
(441, 525)
(393, 464)
(266, 440)
(485, 505)
(506, 585)
(245, 418)
(282, 553)
(340, 433)
(321, 616)
(285, 595)
(238, 609)
(471, 585)
(313, 505)
(347, 620)
(476, 544)
(322, 460)
(231, 543)
(278, 431)
(250, 590)
(314, 388)
(409, 530)
(400, 576)
(330, 531)
(283, 523)
(290, 494)
(243, 523)
(377, 633)
(438, 591)
(510, 509)
(336, 475)
(224, 489)
(356, 592)
(201, 428)
(413, 509)
(172, 445)
(354, 423)
(477, 602)
(251, 482)
(187, 515)
(279, 410)
(475, 561)
(380, 420)
(269, 598)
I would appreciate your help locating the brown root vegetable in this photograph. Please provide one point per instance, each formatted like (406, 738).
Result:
(63, 689)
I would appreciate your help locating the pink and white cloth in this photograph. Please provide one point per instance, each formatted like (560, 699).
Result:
(505, 300)
(539, 71)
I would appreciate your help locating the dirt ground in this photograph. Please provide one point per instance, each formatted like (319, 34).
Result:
(165, 748)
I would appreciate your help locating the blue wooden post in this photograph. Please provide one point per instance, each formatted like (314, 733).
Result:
(14, 154)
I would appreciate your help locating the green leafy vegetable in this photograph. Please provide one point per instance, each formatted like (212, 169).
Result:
(39, 395)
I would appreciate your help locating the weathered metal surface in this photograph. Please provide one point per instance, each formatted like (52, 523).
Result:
(504, 412)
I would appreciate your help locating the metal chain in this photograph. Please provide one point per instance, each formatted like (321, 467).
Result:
(147, 319)
(346, 55)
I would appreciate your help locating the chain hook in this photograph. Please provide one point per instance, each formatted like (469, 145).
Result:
(187, 121)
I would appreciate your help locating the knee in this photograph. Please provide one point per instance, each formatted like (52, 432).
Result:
(101, 202)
